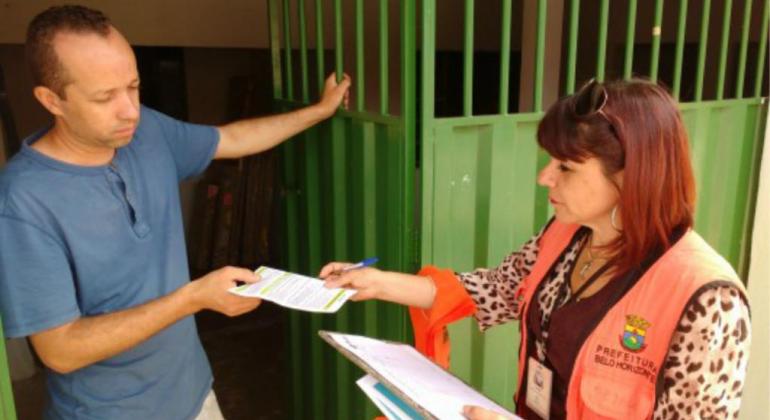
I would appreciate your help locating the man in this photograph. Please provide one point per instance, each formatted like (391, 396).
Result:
(93, 266)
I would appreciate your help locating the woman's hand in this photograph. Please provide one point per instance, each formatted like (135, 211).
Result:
(371, 283)
(477, 413)
(365, 280)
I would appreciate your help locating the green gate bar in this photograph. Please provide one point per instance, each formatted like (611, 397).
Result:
(338, 64)
(540, 56)
(656, 33)
(574, 22)
(292, 229)
(287, 50)
(723, 48)
(681, 24)
(319, 44)
(312, 198)
(468, 60)
(313, 173)
(762, 50)
(601, 46)
(303, 50)
(505, 55)
(383, 57)
(294, 328)
(702, 47)
(743, 49)
(7, 407)
(410, 243)
(628, 61)
(275, 47)
(427, 117)
(360, 72)
(340, 213)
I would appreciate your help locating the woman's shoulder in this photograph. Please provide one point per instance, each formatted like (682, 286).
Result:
(694, 257)
(717, 305)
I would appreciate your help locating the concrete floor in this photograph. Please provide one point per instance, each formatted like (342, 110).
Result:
(246, 355)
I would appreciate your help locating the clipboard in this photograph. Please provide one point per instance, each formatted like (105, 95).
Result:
(422, 410)
(361, 363)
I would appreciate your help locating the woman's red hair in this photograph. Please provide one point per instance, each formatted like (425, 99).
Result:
(639, 131)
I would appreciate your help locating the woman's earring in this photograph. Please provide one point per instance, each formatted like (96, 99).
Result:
(612, 218)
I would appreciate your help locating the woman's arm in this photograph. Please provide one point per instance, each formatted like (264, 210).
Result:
(494, 291)
(705, 368)
(371, 283)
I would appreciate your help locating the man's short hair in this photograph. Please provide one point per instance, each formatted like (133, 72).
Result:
(44, 64)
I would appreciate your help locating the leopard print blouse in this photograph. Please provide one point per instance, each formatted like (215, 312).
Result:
(705, 367)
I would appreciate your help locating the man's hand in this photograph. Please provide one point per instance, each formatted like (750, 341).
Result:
(89, 339)
(211, 291)
(334, 94)
(254, 135)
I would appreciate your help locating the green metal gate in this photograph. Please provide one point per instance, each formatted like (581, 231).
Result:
(7, 408)
(349, 189)
(480, 200)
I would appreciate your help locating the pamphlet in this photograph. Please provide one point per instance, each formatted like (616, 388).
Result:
(294, 291)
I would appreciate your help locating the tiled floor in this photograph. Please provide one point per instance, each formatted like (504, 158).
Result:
(247, 358)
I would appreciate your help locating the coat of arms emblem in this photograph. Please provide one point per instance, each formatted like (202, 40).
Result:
(634, 333)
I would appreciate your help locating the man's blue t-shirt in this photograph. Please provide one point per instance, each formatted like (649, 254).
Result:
(84, 241)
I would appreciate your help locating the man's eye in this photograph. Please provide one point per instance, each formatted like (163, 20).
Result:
(563, 167)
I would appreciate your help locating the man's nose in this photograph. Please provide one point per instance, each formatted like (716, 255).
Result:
(129, 107)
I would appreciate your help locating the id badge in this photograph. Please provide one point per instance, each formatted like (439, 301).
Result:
(539, 382)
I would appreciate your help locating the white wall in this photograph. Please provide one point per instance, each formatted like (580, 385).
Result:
(756, 404)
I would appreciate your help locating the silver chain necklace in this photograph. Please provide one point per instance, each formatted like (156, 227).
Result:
(591, 259)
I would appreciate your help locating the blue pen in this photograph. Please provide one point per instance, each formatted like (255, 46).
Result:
(365, 263)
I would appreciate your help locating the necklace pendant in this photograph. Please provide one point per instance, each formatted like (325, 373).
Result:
(586, 267)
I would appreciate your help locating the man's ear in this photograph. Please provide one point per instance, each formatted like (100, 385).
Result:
(49, 99)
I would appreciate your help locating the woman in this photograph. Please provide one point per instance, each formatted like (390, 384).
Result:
(626, 312)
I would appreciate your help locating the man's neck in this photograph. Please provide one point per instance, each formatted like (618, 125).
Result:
(61, 145)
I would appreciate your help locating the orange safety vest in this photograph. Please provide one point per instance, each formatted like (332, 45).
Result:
(616, 370)
(617, 367)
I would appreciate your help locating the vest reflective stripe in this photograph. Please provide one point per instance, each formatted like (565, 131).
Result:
(617, 366)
